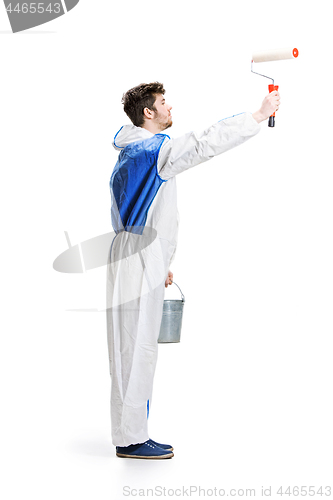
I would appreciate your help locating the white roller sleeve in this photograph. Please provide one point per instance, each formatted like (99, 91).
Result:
(275, 54)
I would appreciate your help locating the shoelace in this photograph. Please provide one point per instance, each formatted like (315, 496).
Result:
(148, 444)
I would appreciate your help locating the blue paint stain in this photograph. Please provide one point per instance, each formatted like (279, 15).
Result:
(134, 184)
(147, 408)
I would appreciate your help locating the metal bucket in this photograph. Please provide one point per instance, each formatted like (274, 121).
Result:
(172, 318)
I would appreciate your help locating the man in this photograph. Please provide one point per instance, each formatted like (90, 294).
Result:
(144, 217)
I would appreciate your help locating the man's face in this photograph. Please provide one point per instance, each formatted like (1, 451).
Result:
(162, 114)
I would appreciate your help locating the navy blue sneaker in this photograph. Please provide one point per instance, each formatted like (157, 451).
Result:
(167, 447)
(143, 450)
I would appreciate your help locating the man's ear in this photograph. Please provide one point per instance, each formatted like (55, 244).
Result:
(148, 113)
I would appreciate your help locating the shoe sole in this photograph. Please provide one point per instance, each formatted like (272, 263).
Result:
(122, 455)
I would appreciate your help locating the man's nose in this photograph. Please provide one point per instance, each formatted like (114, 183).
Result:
(169, 107)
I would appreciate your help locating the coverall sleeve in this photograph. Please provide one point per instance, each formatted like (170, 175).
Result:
(177, 155)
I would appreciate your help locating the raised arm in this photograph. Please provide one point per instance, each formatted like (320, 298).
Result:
(191, 149)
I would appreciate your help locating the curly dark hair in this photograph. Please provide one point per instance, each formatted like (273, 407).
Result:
(140, 97)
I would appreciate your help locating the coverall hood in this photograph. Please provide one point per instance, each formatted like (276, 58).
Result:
(128, 134)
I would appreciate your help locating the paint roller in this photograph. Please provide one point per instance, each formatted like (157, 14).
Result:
(273, 55)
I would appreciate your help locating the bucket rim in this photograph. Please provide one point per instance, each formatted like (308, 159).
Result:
(175, 300)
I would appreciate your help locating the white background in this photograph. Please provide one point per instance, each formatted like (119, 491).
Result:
(246, 397)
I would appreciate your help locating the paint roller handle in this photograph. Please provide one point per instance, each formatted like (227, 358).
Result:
(269, 105)
(271, 120)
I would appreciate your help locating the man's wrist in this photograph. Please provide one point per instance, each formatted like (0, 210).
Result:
(258, 116)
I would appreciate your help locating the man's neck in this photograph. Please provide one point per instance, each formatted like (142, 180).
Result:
(152, 127)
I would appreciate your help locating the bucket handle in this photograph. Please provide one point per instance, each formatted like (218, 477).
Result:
(183, 296)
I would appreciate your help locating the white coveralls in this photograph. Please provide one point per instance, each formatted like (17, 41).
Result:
(138, 266)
